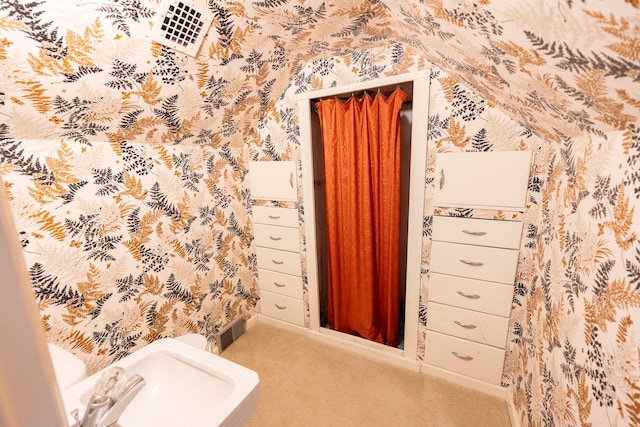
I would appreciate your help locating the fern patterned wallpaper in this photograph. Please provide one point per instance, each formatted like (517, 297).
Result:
(125, 163)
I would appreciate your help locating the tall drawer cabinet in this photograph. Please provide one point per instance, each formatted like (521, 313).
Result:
(277, 240)
(278, 258)
(472, 272)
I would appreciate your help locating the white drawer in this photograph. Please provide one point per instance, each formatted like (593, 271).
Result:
(285, 217)
(282, 307)
(278, 260)
(476, 262)
(478, 295)
(484, 232)
(284, 284)
(465, 357)
(273, 236)
(471, 325)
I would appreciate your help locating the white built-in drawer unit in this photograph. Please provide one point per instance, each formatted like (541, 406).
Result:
(469, 358)
(277, 237)
(472, 231)
(278, 257)
(279, 260)
(471, 325)
(476, 262)
(282, 307)
(284, 284)
(285, 217)
(478, 295)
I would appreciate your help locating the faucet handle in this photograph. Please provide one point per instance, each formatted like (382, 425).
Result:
(122, 400)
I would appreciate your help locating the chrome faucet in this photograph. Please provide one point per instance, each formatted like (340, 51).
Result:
(113, 393)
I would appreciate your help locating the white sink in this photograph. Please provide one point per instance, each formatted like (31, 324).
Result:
(185, 386)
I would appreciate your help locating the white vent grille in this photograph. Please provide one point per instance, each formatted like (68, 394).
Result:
(181, 25)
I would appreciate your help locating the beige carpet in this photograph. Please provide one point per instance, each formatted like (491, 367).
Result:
(307, 383)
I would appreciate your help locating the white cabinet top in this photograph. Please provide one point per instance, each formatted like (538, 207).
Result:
(273, 180)
(490, 180)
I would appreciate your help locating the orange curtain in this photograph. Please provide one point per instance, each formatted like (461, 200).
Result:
(361, 143)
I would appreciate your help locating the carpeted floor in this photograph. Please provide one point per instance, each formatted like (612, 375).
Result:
(304, 382)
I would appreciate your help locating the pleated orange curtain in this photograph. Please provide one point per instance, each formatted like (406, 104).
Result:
(361, 144)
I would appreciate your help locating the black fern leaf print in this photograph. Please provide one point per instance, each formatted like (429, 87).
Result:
(602, 277)
(270, 3)
(168, 67)
(603, 391)
(244, 293)
(169, 112)
(153, 259)
(128, 287)
(177, 291)
(47, 288)
(95, 313)
(159, 201)
(70, 195)
(477, 18)
(133, 221)
(270, 150)
(303, 17)
(480, 141)
(102, 248)
(130, 119)
(135, 158)
(124, 11)
(201, 258)
(87, 226)
(254, 62)
(265, 93)
(108, 181)
(356, 25)
(77, 123)
(633, 160)
(152, 314)
(214, 101)
(223, 24)
(36, 30)
(466, 105)
(81, 72)
(633, 270)
(126, 76)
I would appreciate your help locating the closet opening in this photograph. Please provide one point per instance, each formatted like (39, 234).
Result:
(413, 132)
(405, 119)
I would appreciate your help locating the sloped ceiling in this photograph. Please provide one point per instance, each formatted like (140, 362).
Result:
(561, 68)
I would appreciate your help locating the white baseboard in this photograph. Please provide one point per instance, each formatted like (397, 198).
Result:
(378, 352)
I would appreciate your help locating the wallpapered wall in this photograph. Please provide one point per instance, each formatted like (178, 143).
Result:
(125, 165)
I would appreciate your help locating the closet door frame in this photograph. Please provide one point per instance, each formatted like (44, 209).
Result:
(419, 122)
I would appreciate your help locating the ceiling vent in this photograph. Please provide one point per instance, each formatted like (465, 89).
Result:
(181, 25)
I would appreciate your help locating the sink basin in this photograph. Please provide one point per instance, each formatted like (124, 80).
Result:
(185, 386)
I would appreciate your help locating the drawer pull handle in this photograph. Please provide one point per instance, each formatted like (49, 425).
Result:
(470, 296)
(280, 285)
(274, 216)
(474, 233)
(461, 356)
(275, 238)
(291, 180)
(281, 307)
(277, 262)
(472, 263)
(465, 325)
(441, 178)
